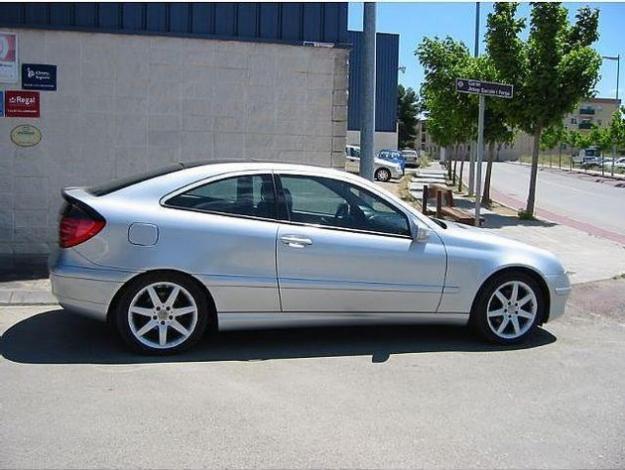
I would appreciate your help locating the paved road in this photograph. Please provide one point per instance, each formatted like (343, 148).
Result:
(597, 207)
(71, 397)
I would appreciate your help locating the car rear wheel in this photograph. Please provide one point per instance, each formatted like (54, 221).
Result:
(162, 314)
(508, 309)
(382, 174)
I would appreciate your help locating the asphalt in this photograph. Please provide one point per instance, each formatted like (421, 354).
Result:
(402, 397)
(586, 202)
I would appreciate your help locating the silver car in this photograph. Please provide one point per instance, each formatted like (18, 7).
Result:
(383, 170)
(166, 256)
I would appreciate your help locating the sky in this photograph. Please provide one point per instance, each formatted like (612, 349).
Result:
(414, 21)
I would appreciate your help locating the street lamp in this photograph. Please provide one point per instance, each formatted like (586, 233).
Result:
(618, 69)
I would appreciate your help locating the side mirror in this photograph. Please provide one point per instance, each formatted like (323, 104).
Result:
(422, 234)
(419, 233)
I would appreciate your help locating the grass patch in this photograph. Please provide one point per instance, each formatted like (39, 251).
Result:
(524, 215)
(425, 161)
(403, 190)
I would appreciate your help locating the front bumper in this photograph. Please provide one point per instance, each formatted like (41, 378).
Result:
(559, 290)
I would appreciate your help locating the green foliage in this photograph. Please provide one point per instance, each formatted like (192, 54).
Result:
(553, 136)
(601, 138)
(450, 116)
(617, 128)
(407, 110)
(551, 72)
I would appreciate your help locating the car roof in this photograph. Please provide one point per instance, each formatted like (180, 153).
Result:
(158, 182)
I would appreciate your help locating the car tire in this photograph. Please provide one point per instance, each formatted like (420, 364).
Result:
(382, 174)
(162, 313)
(508, 308)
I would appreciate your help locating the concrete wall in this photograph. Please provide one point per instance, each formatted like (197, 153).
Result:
(382, 140)
(128, 103)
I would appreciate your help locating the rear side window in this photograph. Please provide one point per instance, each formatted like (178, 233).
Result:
(121, 183)
(247, 195)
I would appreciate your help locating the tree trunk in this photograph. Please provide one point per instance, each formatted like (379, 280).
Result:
(461, 169)
(531, 195)
(489, 169)
(560, 156)
(453, 180)
(448, 159)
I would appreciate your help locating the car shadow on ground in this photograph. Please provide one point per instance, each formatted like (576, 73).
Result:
(60, 337)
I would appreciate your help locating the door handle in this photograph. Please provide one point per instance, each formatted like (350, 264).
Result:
(295, 241)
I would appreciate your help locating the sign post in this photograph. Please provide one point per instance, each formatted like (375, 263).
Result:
(483, 89)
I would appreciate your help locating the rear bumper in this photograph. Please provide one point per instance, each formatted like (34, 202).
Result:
(559, 290)
(85, 290)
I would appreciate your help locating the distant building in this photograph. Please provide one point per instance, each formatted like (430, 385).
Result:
(423, 140)
(387, 63)
(589, 113)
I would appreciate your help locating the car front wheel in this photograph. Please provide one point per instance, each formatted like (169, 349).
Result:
(508, 308)
(162, 314)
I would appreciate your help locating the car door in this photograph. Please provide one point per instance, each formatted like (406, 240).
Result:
(224, 232)
(342, 248)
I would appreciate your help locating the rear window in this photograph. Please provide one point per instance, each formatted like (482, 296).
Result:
(121, 183)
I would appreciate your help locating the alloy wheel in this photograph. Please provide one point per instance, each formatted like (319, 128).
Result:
(384, 174)
(162, 315)
(512, 309)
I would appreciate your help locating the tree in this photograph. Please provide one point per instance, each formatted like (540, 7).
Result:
(407, 110)
(551, 72)
(451, 120)
(554, 136)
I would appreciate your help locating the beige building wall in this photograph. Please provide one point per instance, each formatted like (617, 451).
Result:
(126, 103)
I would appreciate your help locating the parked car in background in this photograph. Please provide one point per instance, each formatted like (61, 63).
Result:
(165, 256)
(620, 162)
(586, 155)
(383, 169)
(393, 156)
(591, 162)
(411, 156)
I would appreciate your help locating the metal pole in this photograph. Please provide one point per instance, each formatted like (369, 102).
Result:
(476, 52)
(618, 69)
(480, 157)
(367, 130)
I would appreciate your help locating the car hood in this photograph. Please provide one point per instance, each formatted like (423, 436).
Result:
(505, 250)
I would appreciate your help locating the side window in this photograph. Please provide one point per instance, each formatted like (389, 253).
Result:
(333, 203)
(248, 195)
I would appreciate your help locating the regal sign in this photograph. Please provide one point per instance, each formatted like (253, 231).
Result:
(19, 103)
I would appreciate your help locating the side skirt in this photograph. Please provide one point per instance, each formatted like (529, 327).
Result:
(267, 320)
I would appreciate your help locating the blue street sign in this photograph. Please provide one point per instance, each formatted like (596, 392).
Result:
(39, 77)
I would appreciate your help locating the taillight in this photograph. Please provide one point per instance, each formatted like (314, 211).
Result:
(78, 224)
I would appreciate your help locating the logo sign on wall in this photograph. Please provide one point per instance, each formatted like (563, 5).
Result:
(8, 57)
(38, 77)
(21, 103)
(26, 135)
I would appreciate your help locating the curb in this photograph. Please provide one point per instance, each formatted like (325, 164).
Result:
(26, 297)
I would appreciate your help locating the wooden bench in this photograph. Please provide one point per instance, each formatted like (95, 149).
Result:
(445, 205)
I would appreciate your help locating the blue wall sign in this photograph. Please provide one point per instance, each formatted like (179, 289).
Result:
(39, 77)
(1, 104)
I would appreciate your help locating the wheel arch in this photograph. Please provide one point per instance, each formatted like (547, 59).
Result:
(213, 321)
(528, 271)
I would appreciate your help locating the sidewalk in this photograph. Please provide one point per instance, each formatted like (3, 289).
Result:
(26, 292)
(587, 257)
(606, 177)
